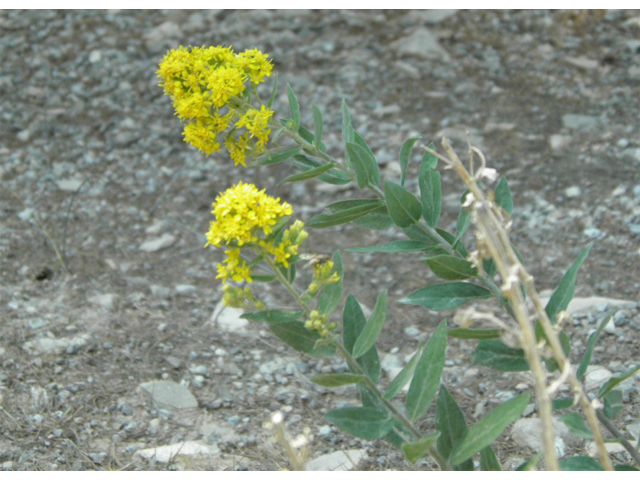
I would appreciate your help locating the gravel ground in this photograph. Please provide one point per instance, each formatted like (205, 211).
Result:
(92, 161)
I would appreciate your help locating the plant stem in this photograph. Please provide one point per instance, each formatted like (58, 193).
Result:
(625, 443)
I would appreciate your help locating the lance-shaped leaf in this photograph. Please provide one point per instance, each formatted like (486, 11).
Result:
(377, 219)
(344, 216)
(430, 195)
(495, 354)
(580, 463)
(375, 169)
(316, 172)
(426, 378)
(593, 338)
(333, 176)
(530, 464)
(414, 451)
(475, 333)
(483, 433)
(353, 322)
(294, 107)
(363, 164)
(317, 124)
(617, 380)
(459, 246)
(405, 156)
(404, 376)
(309, 137)
(394, 247)
(576, 425)
(563, 294)
(488, 460)
(273, 92)
(449, 267)
(347, 204)
(503, 195)
(347, 129)
(273, 316)
(446, 296)
(331, 294)
(372, 329)
(277, 155)
(452, 426)
(404, 208)
(301, 339)
(562, 403)
(429, 160)
(362, 422)
(332, 380)
(613, 404)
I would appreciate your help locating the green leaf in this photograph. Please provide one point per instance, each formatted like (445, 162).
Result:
(273, 316)
(375, 169)
(483, 433)
(565, 343)
(373, 327)
(488, 460)
(624, 468)
(449, 267)
(489, 267)
(429, 160)
(446, 296)
(363, 164)
(404, 208)
(561, 403)
(361, 422)
(393, 247)
(450, 422)
(353, 322)
(332, 380)
(414, 451)
(503, 195)
(317, 124)
(560, 299)
(344, 216)
(576, 425)
(333, 176)
(297, 336)
(405, 154)
(278, 155)
(403, 377)
(460, 248)
(615, 381)
(347, 129)
(377, 219)
(613, 404)
(426, 378)
(331, 294)
(464, 220)
(298, 177)
(294, 107)
(475, 333)
(309, 137)
(529, 464)
(430, 195)
(347, 204)
(593, 338)
(273, 92)
(495, 354)
(580, 463)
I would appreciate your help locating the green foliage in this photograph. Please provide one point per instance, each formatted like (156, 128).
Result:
(593, 338)
(332, 380)
(277, 155)
(317, 124)
(362, 163)
(617, 380)
(452, 426)
(331, 294)
(576, 425)
(274, 91)
(414, 451)
(503, 195)
(405, 156)
(404, 376)
(343, 216)
(563, 294)
(529, 464)
(372, 328)
(299, 338)
(394, 247)
(363, 422)
(273, 316)
(314, 172)
(562, 403)
(353, 322)
(449, 267)
(580, 463)
(294, 107)
(377, 219)
(373, 168)
(483, 433)
(349, 204)
(403, 206)
(613, 404)
(427, 374)
(495, 354)
(446, 296)
(488, 460)
(332, 176)
(475, 333)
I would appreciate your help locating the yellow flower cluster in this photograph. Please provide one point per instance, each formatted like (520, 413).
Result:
(241, 213)
(319, 322)
(204, 80)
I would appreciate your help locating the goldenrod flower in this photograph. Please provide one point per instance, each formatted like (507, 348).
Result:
(202, 135)
(257, 122)
(255, 64)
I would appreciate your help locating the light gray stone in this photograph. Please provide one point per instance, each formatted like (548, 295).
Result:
(337, 461)
(634, 430)
(421, 43)
(160, 243)
(185, 289)
(45, 346)
(558, 142)
(433, 15)
(167, 394)
(527, 432)
(596, 376)
(162, 36)
(228, 319)
(69, 184)
(105, 300)
(167, 453)
(583, 123)
(589, 304)
(582, 63)
(634, 72)
(572, 192)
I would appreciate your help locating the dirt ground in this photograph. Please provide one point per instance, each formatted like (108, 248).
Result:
(92, 166)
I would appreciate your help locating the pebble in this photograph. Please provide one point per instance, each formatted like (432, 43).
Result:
(337, 461)
(157, 244)
(572, 192)
(421, 43)
(167, 394)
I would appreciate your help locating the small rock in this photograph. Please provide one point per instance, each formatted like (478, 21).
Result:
(162, 36)
(337, 461)
(634, 72)
(165, 453)
(412, 331)
(634, 430)
(95, 56)
(69, 185)
(106, 300)
(228, 319)
(185, 289)
(160, 291)
(583, 123)
(24, 135)
(572, 192)
(433, 15)
(97, 457)
(623, 143)
(174, 362)
(7, 465)
(167, 394)
(421, 43)
(596, 376)
(558, 142)
(592, 232)
(324, 430)
(480, 409)
(592, 448)
(526, 432)
(37, 323)
(583, 63)
(155, 244)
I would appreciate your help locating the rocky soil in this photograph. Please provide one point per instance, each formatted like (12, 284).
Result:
(122, 357)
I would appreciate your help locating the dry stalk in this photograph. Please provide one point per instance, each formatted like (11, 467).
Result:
(493, 239)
